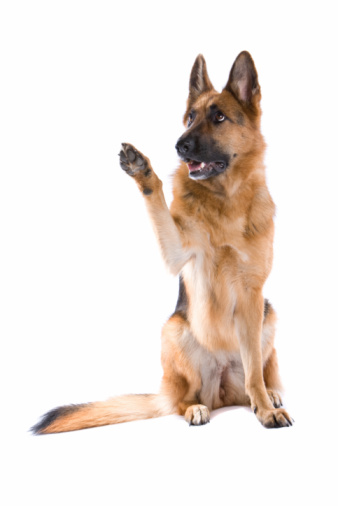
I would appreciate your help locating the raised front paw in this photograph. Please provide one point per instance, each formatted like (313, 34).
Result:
(197, 415)
(133, 162)
(274, 418)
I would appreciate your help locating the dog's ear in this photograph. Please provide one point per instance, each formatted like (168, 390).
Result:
(243, 80)
(199, 80)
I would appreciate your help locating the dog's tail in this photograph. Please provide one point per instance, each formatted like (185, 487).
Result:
(124, 408)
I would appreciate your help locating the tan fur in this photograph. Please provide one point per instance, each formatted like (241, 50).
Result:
(218, 351)
(117, 410)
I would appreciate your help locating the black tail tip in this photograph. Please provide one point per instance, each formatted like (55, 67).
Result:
(51, 416)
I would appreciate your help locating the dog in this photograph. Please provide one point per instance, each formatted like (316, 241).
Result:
(218, 345)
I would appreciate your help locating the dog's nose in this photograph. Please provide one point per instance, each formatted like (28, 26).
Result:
(183, 146)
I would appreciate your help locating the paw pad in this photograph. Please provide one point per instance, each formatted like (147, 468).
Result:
(132, 161)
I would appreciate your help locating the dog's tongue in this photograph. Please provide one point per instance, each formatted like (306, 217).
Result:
(193, 166)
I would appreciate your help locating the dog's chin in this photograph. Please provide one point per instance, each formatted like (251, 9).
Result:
(204, 170)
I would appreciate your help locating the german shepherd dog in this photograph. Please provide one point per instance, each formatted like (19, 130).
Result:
(218, 346)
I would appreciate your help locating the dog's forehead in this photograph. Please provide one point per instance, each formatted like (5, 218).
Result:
(206, 100)
(223, 100)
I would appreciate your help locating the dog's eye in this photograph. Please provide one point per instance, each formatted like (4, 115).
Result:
(190, 119)
(219, 117)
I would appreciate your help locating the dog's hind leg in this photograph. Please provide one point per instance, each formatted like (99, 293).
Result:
(181, 381)
(272, 379)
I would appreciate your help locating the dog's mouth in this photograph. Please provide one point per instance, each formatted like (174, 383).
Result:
(204, 170)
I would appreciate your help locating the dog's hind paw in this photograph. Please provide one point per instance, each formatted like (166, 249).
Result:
(197, 415)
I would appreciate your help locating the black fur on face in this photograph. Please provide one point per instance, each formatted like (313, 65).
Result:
(202, 155)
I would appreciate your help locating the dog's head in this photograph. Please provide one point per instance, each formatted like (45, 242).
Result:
(221, 128)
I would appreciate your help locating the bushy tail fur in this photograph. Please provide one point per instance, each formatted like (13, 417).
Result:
(124, 408)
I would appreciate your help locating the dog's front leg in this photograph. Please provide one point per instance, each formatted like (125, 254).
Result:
(249, 321)
(139, 168)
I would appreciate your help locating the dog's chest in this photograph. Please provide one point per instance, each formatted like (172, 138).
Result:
(212, 278)
(211, 305)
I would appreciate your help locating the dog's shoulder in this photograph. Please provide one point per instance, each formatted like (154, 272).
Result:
(261, 211)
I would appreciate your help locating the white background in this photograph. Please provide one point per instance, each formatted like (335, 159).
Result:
(84, 292)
